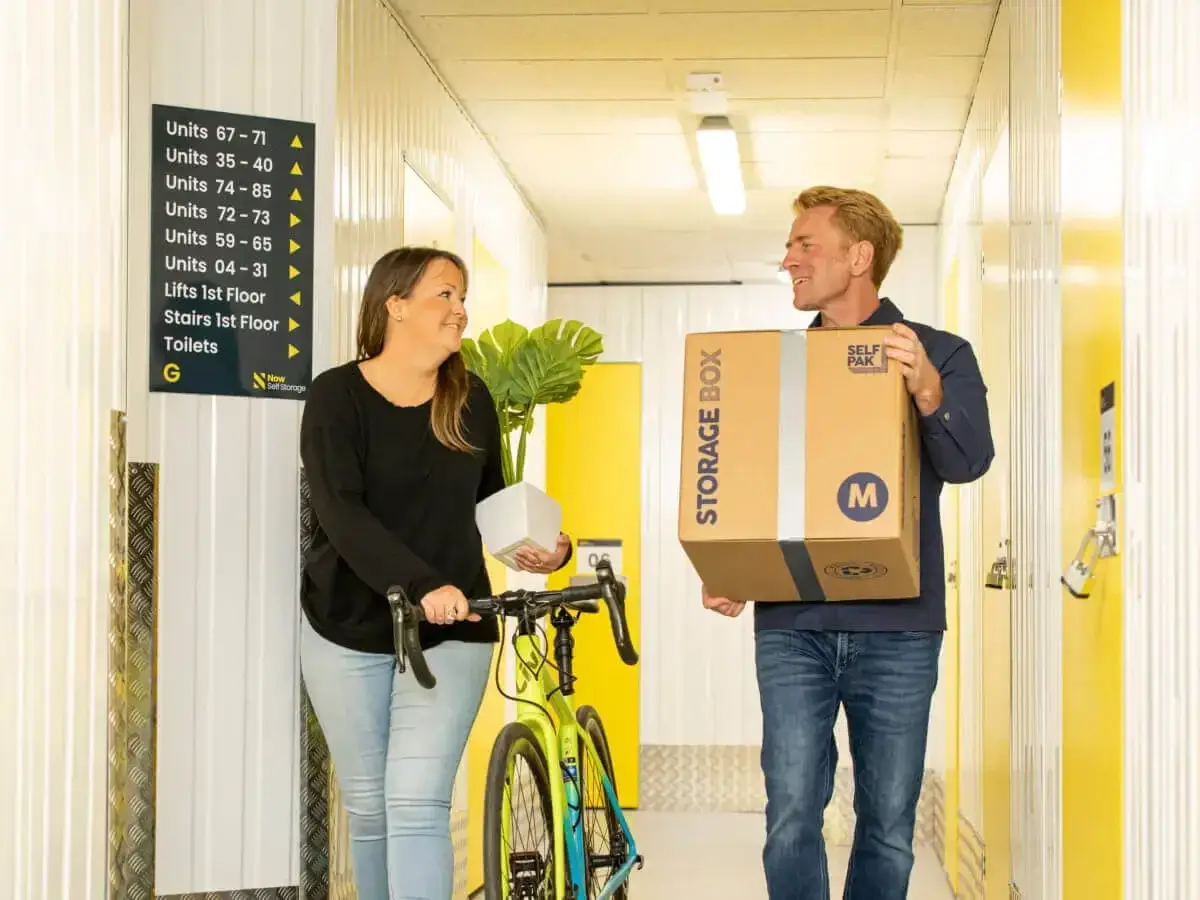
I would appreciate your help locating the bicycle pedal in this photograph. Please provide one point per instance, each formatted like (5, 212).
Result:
(639, 861)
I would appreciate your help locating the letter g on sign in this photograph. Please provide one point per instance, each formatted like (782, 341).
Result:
(862, 497)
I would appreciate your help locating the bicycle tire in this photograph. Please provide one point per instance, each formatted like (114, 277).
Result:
(514, 739)
(588, 718)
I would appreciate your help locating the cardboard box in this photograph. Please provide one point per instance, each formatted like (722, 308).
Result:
(800, 473)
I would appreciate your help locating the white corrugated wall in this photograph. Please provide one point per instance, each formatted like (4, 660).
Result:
(227, 754)
(1035, 255)
(62, 333)
(698, 685)
(1161, 466)
(961, 239)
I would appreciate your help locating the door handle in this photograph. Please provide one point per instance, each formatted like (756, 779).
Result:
(1101, 538)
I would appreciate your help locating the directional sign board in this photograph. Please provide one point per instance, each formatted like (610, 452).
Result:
(231, 254)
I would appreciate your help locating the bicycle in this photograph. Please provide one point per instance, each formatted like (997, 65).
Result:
(548, 734)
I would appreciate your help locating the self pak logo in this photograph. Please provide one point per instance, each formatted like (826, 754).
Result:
(862, 497)
(866, 359)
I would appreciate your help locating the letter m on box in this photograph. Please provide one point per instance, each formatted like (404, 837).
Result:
(863, 495)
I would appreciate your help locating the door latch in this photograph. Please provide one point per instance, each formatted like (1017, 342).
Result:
(1099, 542)
(997, 576)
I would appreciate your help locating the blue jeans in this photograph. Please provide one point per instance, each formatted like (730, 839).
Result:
(885, 681)
(396, 748)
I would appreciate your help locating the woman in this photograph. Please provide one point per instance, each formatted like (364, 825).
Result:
(398, 447)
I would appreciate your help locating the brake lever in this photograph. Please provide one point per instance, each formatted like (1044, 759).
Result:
(406, 617)
(614, 598)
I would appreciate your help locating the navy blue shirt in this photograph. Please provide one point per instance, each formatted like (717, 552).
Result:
(956, 448)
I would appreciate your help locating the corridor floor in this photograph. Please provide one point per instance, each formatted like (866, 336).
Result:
(716, 856)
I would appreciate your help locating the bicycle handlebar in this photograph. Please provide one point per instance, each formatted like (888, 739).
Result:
(520, 604)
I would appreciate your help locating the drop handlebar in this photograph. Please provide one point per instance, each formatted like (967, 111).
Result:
(520, 604)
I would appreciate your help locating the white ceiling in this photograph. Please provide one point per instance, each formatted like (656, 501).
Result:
(585, 102)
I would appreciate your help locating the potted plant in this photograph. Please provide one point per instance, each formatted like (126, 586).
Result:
(524, 369)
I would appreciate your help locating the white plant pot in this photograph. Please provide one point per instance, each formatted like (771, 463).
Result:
(519, 516)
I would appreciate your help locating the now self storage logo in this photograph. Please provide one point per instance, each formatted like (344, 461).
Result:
(866, 359)
(862, 497)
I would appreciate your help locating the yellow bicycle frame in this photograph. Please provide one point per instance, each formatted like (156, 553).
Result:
(560, 739)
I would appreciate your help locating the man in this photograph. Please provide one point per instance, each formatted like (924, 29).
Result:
(877, 660)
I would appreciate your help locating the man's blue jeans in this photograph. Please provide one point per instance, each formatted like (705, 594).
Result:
(885, 681)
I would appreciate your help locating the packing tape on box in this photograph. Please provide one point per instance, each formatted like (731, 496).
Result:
(793, 448)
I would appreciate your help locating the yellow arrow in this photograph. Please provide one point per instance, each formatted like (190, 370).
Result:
(292, 351)
(295, 298)
(295, 219)
(296, 194)
(296, 145)
(293, 271)
(292, 324)
(292, 246)
(296, 169)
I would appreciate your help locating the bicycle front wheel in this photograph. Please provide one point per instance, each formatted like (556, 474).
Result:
(518, 820)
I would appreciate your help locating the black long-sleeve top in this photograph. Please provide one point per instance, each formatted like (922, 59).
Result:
(956, 448)
(393, 507)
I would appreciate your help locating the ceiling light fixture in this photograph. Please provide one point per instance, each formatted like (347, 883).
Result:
(716, 142)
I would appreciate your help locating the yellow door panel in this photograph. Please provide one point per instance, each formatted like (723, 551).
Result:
(593, 468)
(1091, 359)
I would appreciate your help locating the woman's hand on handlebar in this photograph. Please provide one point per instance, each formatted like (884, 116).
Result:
(447, 605)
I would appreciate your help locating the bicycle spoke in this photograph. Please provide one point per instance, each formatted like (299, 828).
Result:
(597, 823)
(528, 848)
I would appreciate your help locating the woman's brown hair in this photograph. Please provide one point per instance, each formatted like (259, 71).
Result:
(396, 274)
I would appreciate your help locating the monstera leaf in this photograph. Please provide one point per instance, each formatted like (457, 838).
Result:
(527, 368)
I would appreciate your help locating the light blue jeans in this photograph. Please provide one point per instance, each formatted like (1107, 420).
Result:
(396, 748)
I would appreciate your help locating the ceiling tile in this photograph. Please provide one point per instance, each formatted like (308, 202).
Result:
(929, 113)
(936, 76)
(782, 35)
(787, 35)
(946, 30)
(788, 79)
(597, 117)
(601, 162)
(796, 175)
(582, 80)
(807, 116)
(559, 37)
(922, 143)
(851, 146)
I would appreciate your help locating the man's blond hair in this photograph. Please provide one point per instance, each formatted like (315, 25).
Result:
(863, 217)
